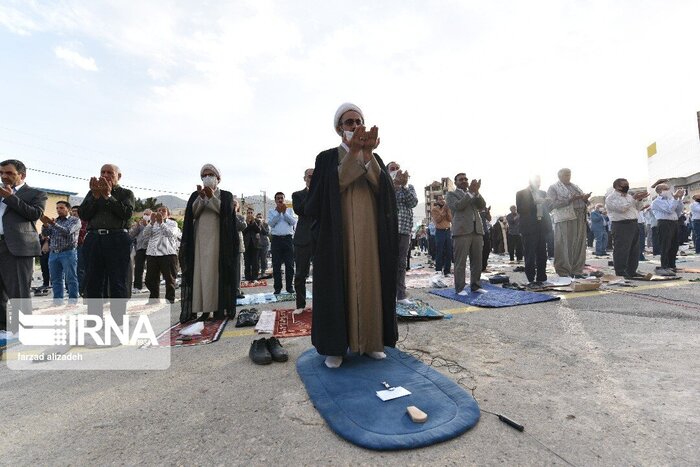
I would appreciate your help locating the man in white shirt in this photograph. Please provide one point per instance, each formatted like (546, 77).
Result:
(666, 208)
(163, 236)
(623, 210)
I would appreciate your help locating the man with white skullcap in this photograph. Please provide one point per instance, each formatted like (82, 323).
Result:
(353, 202)
(209, 257)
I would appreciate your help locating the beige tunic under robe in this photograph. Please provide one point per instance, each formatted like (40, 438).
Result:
(207, 233)
(359, 185)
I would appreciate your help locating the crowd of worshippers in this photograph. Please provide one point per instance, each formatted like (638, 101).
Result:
(353, 219)
(558, 225)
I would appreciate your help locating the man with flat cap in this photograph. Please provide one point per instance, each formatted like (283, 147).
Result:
(353, 201)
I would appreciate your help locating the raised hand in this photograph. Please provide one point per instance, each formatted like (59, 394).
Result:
(46, 220)
(108, 185)
(200, 192)
(208, 192)
(372, 140)
(474, 186)
(95, 187)
(357, 141)
(158, 217)
(679, 193)
(640, 196)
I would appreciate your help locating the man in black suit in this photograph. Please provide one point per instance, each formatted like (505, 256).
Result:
(303, 242)
(535, 223)
(20, 208)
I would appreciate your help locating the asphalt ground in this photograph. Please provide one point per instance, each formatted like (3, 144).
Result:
(597, 378)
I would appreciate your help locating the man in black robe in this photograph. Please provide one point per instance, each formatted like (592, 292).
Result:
(229, 264)
(330, 330)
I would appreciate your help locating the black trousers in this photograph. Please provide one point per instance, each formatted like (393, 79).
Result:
(262, 259)
(515, 246)
(668, 242)
(139, 263)
(486, 251)
(45, 275)
(282, 253)
(250, 264)
(15, 285)
(108, 258)
(165, 266)
(626, 248)
(655, 242)
(303, 254)
(535, 249)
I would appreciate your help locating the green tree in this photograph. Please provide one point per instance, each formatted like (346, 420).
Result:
(143, 204)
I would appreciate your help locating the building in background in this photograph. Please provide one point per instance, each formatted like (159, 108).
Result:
(55, 196)
(676, 157)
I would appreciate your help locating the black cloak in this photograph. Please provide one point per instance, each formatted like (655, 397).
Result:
(228, 260)
(329, 327)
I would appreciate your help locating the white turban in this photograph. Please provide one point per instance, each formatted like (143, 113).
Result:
(212, 168)
(339, 113)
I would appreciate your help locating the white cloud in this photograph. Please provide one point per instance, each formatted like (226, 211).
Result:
(16, 22)
(73, 58)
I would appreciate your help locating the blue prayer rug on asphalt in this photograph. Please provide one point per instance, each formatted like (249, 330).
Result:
(346, 398)
(496, 297)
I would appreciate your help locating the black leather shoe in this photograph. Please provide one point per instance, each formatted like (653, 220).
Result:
(276, 351)
(290, 290)
(259, 353)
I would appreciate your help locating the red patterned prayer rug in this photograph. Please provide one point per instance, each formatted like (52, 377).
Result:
(211, 333)
(287, 324)
(258, 283)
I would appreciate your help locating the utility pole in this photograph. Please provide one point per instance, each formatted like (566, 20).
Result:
(264, 193)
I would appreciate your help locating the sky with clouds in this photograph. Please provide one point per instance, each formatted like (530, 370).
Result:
(499, 90)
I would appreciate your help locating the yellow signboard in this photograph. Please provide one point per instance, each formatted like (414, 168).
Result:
(651, 150)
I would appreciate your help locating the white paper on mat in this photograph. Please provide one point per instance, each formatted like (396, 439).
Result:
(266, 323)
(387, 395)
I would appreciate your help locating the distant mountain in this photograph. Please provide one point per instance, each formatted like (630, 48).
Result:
(172, 202)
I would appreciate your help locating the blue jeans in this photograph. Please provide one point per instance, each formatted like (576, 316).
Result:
(65, 262)
(443, 250)
(601, 242)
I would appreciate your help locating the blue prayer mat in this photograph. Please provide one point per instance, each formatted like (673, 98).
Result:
(346, 398)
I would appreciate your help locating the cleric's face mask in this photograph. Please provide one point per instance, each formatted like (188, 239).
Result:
(210, 181)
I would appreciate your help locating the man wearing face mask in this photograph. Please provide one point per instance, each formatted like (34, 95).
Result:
(406, 200)
(599, 229)
(465, 202)
(136, 234)
(623, 209)
(568, 203)
(353, 201)
(209, 251)
(282, 222)
(666, 208)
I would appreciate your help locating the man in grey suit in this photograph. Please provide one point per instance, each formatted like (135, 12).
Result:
(467, 232)
(20, 208)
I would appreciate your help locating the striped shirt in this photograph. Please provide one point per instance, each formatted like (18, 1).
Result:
(163, 238)
(63, 234)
